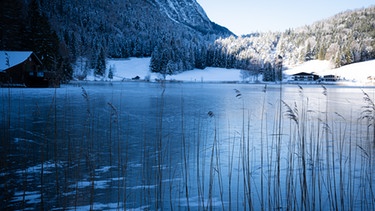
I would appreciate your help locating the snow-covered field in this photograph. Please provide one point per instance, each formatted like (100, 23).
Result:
(128, 69)
(358, 72)
(209, 74)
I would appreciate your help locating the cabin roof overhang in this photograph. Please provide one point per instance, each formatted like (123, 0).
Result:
(9, 59)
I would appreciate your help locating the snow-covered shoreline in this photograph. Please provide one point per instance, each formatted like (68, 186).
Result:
(137, 69)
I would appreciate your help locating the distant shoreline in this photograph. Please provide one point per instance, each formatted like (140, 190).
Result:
(339, 83)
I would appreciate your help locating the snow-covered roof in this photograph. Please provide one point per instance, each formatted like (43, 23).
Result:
(11, 58)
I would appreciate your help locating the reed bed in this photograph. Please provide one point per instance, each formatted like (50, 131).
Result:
(282, 154)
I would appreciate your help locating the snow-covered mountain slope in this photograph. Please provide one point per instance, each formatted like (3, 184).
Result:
(189, 13)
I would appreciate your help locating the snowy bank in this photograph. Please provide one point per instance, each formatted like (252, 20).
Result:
(358, 72)
(122, 69)
(209, 74)
(138, 69)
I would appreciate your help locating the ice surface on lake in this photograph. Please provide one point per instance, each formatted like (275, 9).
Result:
(194, 202)
(179, 145)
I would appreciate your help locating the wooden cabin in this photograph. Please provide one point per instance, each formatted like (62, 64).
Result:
(302, 76)
(331, 78)
(24, 69)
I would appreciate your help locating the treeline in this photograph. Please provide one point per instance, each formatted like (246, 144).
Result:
(23, 26)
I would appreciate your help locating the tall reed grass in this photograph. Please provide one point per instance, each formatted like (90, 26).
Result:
(287, 154)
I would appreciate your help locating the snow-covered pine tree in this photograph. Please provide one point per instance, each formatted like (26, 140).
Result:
(110, 72)
(100, 64)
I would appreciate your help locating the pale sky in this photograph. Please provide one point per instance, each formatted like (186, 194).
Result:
(247, 16)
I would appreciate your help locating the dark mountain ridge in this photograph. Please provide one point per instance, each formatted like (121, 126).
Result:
(185, 12)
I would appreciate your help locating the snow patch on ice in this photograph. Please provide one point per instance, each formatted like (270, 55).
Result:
(30, 197)
(118, 178)
(135, 165)
(100, 184)
(18, 140)
(142, 187)
(48, 166)
(172, 180)
(103, 169)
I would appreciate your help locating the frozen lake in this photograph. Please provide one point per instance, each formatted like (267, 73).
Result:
(187, 146)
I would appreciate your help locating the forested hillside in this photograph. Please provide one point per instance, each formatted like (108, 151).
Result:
(345, 38)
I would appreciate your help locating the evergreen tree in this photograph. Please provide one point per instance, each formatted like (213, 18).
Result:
(279, 68)
(269, 72)
(337, 60)
(155, 62)
(13, 34)
(44, 42)
(200, 57)
(100, 64)
(170, 68)
(110, 72)
(348, 56)
(322, 52)
(309, 55)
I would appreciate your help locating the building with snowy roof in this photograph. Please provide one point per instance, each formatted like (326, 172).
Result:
(23, 69)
